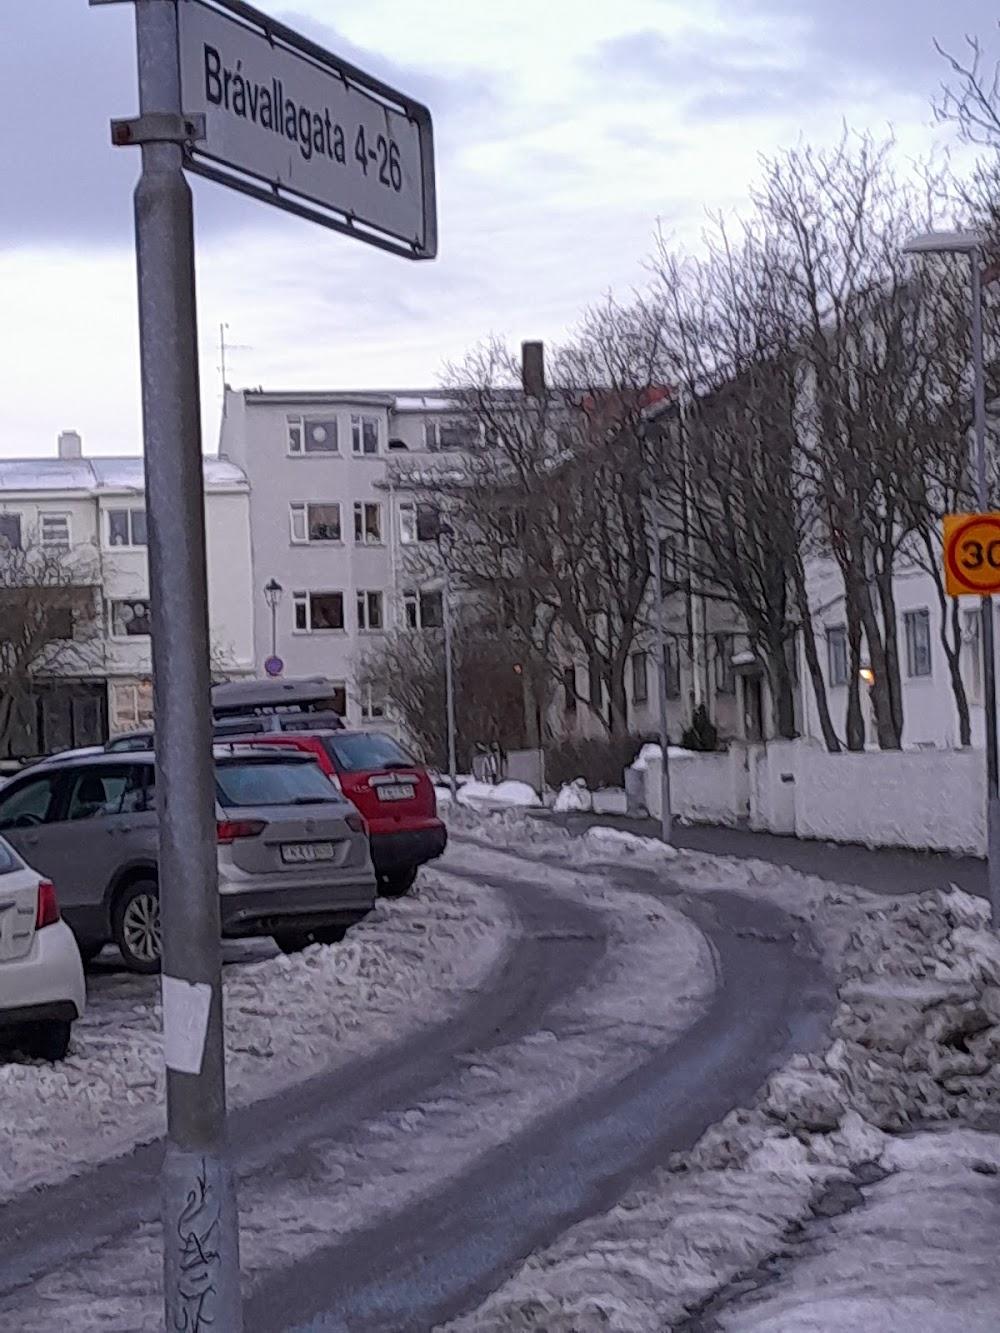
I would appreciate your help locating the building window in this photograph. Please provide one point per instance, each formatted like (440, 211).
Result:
(127, 527)
(364, 434)
(315, 522)
(316, 611)
(445, 433)
(640, 678)
(672, 667)
(918, 643)
(595, 685)
(972, 652)
(371, 705)
(10, 532)
(312, 435)
(367, 523)
(418, 522)
(569, 690)
(55, 533)
(836, 654)
(423, 610)
(725, 676)
(130, 619)
(370, 610)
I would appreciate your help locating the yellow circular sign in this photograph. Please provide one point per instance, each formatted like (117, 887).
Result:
(972, 553)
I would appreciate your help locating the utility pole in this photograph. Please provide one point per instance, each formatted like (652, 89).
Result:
(200, 1229)
(445, 537)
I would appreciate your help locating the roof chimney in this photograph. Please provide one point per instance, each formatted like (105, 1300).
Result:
(533, 369)
(70, 444)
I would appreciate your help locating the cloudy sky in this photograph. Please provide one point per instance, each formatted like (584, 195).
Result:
(565, 129)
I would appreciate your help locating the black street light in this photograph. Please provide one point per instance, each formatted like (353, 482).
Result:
(272, 592)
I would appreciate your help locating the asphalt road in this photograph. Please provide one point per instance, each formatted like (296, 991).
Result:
(441, 1254)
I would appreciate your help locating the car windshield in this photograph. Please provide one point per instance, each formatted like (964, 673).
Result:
(365, 751)
(279, 781)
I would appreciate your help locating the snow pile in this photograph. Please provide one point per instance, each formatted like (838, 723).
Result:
(655, 752)
(916, 1039)
(478, 795)
(573, 798)
(606, 839)
(287, 1018)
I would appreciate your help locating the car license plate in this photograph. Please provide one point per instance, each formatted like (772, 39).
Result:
(299, 852)
(398, 791)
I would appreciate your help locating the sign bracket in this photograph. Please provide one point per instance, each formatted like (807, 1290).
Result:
(158, 127)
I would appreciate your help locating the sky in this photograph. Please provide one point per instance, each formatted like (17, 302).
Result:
(566, 131)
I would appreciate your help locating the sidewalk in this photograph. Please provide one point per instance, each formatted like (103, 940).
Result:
(882, 870)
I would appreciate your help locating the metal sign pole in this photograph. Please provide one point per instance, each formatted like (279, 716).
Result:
(449, 667)
(986, 605)
(200, 1228)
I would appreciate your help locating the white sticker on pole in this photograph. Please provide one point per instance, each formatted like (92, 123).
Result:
(186, 1006)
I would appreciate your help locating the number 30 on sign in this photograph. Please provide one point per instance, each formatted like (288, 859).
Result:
(972, 554)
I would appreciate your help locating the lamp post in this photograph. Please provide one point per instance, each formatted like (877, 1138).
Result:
(272, 592)
(656, 565)
(970, 244)
(446, 536)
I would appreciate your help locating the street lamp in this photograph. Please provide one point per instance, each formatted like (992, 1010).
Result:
(272, 592)
(970, 243)
(656, 563)
(446, 537)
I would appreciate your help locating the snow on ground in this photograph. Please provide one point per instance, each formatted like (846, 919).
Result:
(606, 1027)
(915, 1043)
(411, 962)
(486, 795)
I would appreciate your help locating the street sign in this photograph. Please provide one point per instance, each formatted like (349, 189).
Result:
(274, 666)
(294, 126)
(972, 554)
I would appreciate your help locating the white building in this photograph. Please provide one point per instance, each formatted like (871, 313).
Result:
(329, 526)
(930, 713)
(91, 513)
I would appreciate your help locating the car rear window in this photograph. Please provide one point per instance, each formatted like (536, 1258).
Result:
(368, 751)
(9, 860)
(284, 780)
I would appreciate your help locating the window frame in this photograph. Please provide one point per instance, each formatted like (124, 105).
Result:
(300, 509)
(130, 544)
(837, 634)
(114, 602)
(358, 421)
(672, 666)
(301, 423)
(371, 711)
(432, 434)
(725, 672)
(415, 599)
(640, 692)
(13, 516)
(62, 547)
(303, 601)
(364, 600)
(919, 616)
(361, 537)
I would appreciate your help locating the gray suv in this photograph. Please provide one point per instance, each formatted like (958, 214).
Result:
(294, 858)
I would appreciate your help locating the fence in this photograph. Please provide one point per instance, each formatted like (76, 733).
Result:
(928, 799)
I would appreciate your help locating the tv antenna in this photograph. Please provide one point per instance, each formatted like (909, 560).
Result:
(225, 347)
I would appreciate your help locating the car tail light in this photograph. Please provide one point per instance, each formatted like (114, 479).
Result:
(228, 830)
(48, 905)
(356, 822)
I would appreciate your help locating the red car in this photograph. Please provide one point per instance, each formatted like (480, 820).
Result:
(393, 792)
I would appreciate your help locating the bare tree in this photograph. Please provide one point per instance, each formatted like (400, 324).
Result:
(407, 671)
(47, 627)
(548, 509)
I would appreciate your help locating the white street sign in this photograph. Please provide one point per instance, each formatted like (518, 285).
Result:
(293, 125)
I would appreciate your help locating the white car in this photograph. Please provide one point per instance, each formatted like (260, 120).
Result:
(42, 990)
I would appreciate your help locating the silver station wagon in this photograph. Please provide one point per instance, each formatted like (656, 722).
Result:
(294, 857)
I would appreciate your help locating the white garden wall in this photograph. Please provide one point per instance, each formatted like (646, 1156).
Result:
(704, 788)
(926, 799)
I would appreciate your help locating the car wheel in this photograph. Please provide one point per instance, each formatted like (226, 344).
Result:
(398, 884)
(294, 941)
(47, 1041)
(135, 925)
